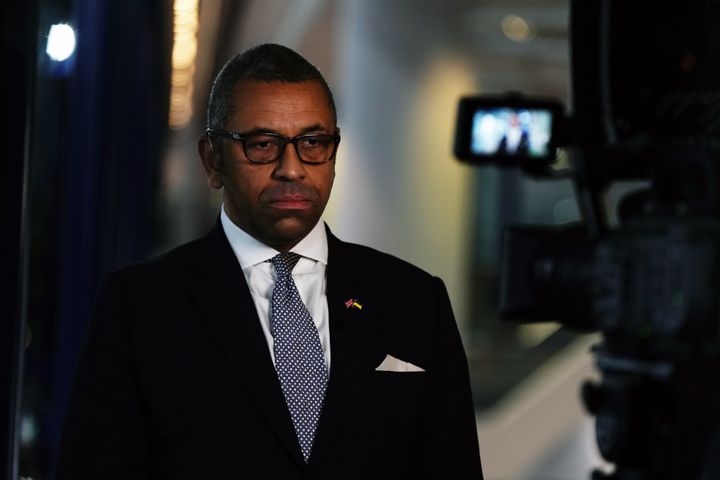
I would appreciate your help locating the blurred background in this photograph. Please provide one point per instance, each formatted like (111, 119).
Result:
(105, 102)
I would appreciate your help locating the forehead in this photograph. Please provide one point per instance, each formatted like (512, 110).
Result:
(279, 106)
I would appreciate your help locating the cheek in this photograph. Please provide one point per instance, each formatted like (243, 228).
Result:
(325, 179)
(324, 187)
(243, 186)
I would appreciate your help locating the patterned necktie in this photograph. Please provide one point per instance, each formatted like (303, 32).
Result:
(299, 359)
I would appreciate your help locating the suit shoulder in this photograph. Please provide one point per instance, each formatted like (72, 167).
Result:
(368, 258)
(167, 263)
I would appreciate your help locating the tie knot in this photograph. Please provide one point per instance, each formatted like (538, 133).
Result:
(285, 262)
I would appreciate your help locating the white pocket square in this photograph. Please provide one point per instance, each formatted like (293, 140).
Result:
(392, 364)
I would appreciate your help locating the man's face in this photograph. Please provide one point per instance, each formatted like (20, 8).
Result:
(277, 203)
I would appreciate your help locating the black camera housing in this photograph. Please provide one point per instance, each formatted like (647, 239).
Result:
(645, 106)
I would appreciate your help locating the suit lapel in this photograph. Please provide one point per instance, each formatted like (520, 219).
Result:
(352, 334)
(226, 306)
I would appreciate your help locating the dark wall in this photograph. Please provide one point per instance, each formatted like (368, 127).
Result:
(98, 138)
(17, 54)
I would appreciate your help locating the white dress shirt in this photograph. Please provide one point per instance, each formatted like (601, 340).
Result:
(309, 276)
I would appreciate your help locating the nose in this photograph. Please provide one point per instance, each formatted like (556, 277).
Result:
(289, 167)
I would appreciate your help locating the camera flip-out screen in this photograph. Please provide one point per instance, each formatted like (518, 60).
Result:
(507, 131)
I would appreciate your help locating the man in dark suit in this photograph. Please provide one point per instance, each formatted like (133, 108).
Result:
(212, 361)
(516, 139)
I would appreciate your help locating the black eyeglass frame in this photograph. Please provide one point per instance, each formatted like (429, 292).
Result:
(239, 137)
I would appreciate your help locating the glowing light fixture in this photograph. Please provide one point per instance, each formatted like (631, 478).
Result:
(61, 42)
(184, 52)
(517, 28)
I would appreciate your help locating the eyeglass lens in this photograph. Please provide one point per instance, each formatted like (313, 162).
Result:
(310, 148)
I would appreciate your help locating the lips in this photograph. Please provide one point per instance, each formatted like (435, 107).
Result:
(288, 197)
(290, 202)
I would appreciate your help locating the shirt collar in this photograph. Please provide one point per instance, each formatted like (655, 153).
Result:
(250, 251)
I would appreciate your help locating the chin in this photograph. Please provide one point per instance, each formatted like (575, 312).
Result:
(291, 231)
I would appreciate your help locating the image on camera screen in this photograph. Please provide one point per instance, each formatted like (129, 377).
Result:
(511, 132)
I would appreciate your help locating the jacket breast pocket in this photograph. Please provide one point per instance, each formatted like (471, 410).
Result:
(397, 406)
(398, 397)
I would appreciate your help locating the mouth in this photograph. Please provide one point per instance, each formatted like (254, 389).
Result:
(290, 202)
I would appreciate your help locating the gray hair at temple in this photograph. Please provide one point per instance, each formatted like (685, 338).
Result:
(268, 62)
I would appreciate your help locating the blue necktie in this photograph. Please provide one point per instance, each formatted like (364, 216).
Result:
(299, 359)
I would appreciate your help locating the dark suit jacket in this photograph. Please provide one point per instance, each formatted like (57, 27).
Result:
(176, 380)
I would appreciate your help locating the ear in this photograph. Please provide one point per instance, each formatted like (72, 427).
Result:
(211, 162)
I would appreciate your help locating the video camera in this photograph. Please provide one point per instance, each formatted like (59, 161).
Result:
(646, 106)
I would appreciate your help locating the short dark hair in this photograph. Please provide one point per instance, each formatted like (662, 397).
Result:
(268, 62)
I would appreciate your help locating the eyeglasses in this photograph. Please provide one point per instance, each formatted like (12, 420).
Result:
(268, 147)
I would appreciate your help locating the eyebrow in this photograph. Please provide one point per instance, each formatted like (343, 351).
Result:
(316, 128)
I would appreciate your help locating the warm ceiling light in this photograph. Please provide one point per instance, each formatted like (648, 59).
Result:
(184, 53)
(516, 28)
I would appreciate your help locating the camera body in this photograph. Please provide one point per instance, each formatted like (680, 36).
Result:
(646, 106)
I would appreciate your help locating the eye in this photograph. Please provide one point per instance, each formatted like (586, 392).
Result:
(314, 141)
(261, 142)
